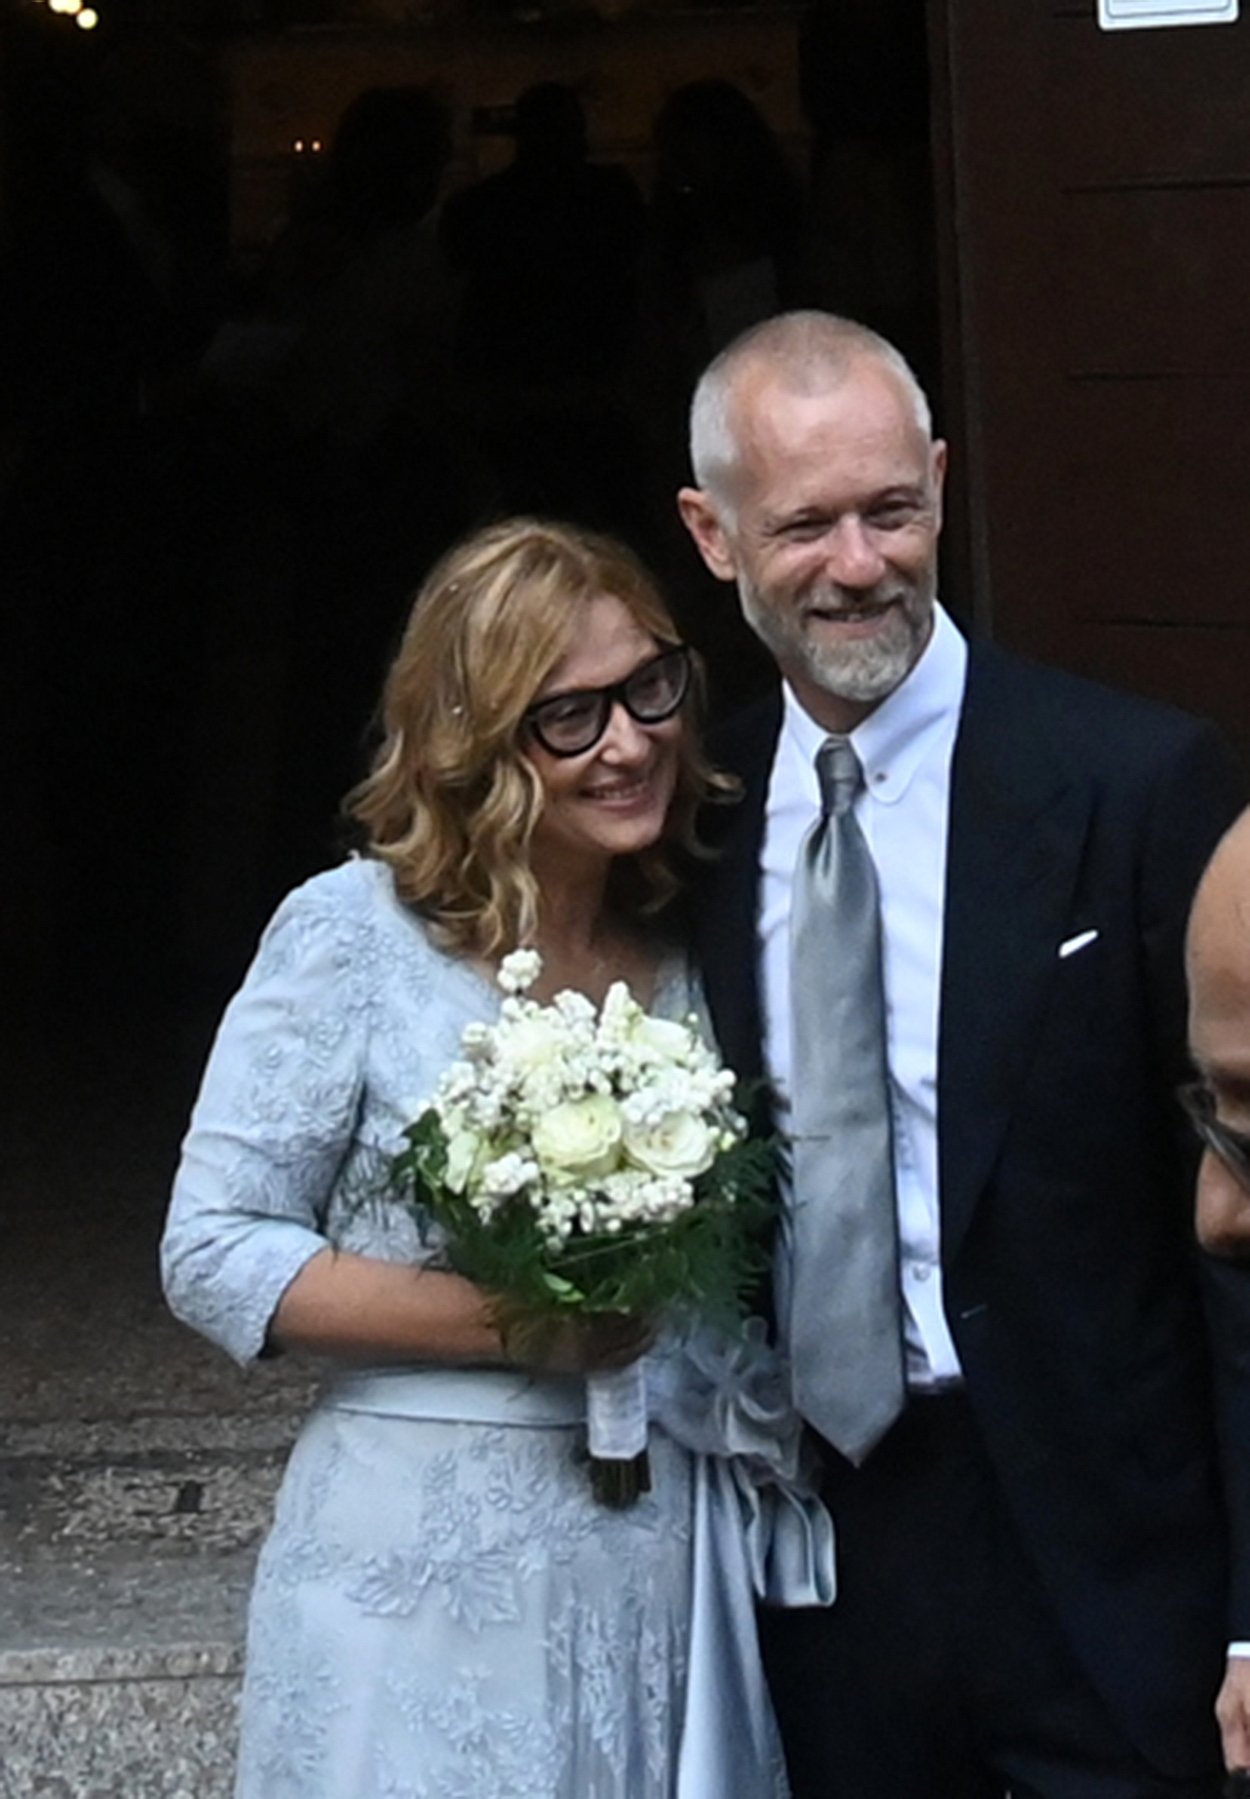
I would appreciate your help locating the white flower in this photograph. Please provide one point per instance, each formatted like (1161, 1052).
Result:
(574, 1008)
(598, 1121)
(680, 1143)
(667, 1040)
(619, 1013)
(507, 1175)
(477, 1045)
(519, 970)
(530, 1043)
(557, 1214)
(462, 1147)
(579, 1140)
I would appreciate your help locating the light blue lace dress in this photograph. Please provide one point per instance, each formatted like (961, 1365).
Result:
(441, 1610)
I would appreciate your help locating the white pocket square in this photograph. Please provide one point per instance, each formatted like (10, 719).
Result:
(1081, 941)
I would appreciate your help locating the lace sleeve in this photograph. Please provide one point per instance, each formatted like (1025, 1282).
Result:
(274, 1119)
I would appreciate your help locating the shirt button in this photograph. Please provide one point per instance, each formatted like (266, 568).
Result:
(922, 1271)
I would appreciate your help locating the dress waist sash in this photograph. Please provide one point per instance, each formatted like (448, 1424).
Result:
(463, 1395)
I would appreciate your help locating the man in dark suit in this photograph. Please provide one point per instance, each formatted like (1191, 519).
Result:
(1043, 1560)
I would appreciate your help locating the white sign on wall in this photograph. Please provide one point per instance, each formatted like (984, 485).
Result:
(1127, 15)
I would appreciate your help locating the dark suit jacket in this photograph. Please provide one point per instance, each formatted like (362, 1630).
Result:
(1107, 1360)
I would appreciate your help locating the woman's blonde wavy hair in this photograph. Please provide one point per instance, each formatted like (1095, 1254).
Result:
(452, 801)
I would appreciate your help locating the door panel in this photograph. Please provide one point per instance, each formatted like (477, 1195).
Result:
(1153, 528)
(1095, 188)
(1153, 280)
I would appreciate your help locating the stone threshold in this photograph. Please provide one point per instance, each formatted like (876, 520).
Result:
(164, 1432)
(107, 1666)
(127, 1547)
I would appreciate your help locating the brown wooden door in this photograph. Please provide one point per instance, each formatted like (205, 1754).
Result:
(1094, 205)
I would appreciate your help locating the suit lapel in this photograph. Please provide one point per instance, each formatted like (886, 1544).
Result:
(1018, 823)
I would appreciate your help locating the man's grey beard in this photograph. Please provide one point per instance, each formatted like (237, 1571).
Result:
(863, 672)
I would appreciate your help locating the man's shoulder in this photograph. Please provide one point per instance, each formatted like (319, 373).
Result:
(1056, 715)
(1072, 714)
(1144, 766)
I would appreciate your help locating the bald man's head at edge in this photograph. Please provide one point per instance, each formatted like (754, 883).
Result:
(1218, 965)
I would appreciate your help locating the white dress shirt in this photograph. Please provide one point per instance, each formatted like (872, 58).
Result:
(905, 747)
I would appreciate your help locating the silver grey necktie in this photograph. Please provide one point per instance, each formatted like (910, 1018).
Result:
(845, 1311)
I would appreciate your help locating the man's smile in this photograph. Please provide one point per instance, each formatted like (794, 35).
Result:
(847, 617)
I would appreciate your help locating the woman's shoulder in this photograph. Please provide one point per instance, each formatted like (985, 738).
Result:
(357, 893)
(346, 942)
(354, 888)
(354, 906)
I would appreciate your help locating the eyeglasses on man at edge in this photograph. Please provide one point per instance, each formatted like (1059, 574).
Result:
(1232, 1147)
(569, 724)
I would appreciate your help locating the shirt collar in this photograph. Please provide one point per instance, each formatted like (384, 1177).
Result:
(896, 736)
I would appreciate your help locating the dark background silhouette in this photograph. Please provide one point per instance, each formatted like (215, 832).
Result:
(221, 476)
(222, 481)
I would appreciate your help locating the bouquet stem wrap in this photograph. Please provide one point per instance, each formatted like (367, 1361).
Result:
(616, 1429)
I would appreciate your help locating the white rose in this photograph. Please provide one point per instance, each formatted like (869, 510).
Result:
(681, 1143)
(579, 1140)
(663, 1037)
(531, 1044)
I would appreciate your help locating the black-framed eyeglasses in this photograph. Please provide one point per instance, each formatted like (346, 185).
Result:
(1232, 1147)
(569, 724)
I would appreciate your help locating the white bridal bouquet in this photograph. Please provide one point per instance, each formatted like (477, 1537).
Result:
(587, 1162)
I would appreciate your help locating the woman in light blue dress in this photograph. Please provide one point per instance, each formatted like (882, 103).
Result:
(442, 1610)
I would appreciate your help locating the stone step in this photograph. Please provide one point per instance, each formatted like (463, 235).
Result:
(126, 1554)
(137, 1721)
(136, 1462)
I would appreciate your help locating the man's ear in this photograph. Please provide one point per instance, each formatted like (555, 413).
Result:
(701, 519)
(938, 467)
